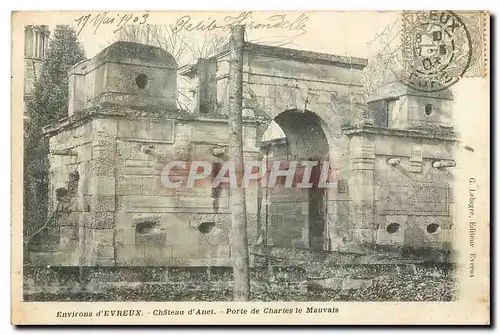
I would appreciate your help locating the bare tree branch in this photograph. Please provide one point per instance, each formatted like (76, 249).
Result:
(386, 63)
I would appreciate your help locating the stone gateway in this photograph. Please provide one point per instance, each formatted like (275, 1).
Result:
(391, 160)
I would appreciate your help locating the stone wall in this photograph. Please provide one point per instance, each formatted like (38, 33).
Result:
(414, 194)
(275, 87)
(124, 214)
(124, 74)
(157, 283)
(279, 88)
(411, 200)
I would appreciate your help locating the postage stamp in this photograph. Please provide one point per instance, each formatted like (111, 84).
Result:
(439, 48)
(249, 168)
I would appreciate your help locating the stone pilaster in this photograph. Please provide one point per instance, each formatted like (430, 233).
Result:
(252, 201)
(361, 190)
(97, 224)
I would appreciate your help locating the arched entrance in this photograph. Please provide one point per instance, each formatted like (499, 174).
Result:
(296, 217)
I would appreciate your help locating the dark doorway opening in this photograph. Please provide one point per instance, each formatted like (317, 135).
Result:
(296, 217)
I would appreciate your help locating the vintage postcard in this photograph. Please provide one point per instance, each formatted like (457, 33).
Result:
(251, 167)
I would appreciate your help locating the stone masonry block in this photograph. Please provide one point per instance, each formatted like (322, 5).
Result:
(390, 235)
(362, 236)
(125, 237)
(129, 185)
(104, 237)
(84, 152)
(102, 185)
(123, 221)
(103, 148)
(104, 128)
(86, 219)
(69, 236)
(102, 220)
(68, 219)
(103, 166)
(154, 186)
(105, 261)
(103, 203)
(362, 214)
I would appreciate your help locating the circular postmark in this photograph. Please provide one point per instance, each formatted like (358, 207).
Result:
(436, 50)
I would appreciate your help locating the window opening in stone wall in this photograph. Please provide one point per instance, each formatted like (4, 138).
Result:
(432, 228)
(61, 192)
(146, 228)
(380, 112)
(206, 227)
(342, 186)
(428, 109)
(393, 107)
(142, 81)
(148, 233)
(392, 228)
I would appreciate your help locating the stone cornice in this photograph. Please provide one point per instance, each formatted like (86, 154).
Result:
(300, 55)
(444, 134)
(87, 115)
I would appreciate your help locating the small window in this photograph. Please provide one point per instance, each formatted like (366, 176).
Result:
(148, 233)
(392, 228)
(342, 186)
(206, 227)
(428, 109)
(142, 81)
(61, 192)
(432, 228)
(393, 110)
(147, 227)
(380, 111)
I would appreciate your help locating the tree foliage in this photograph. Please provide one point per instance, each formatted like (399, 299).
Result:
(48, 104)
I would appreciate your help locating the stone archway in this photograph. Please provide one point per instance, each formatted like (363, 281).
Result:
(290, 209)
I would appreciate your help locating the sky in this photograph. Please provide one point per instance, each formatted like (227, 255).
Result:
(340, 33)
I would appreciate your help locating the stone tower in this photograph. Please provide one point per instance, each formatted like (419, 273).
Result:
(406, 167)
(36, 43)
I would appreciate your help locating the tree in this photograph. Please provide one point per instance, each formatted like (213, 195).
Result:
(48, 104)
(239, 240)
(386, 64)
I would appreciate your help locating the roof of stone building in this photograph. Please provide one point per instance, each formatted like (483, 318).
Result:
(300, 55)
(122, 51)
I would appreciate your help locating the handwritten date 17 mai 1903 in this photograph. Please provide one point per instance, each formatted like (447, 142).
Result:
(117, 21)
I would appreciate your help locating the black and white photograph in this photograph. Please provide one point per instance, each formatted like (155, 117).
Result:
(252, 167)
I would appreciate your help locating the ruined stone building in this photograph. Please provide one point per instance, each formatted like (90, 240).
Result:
(391, 160)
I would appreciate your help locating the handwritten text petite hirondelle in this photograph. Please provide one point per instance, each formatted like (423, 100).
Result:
(278, 21)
